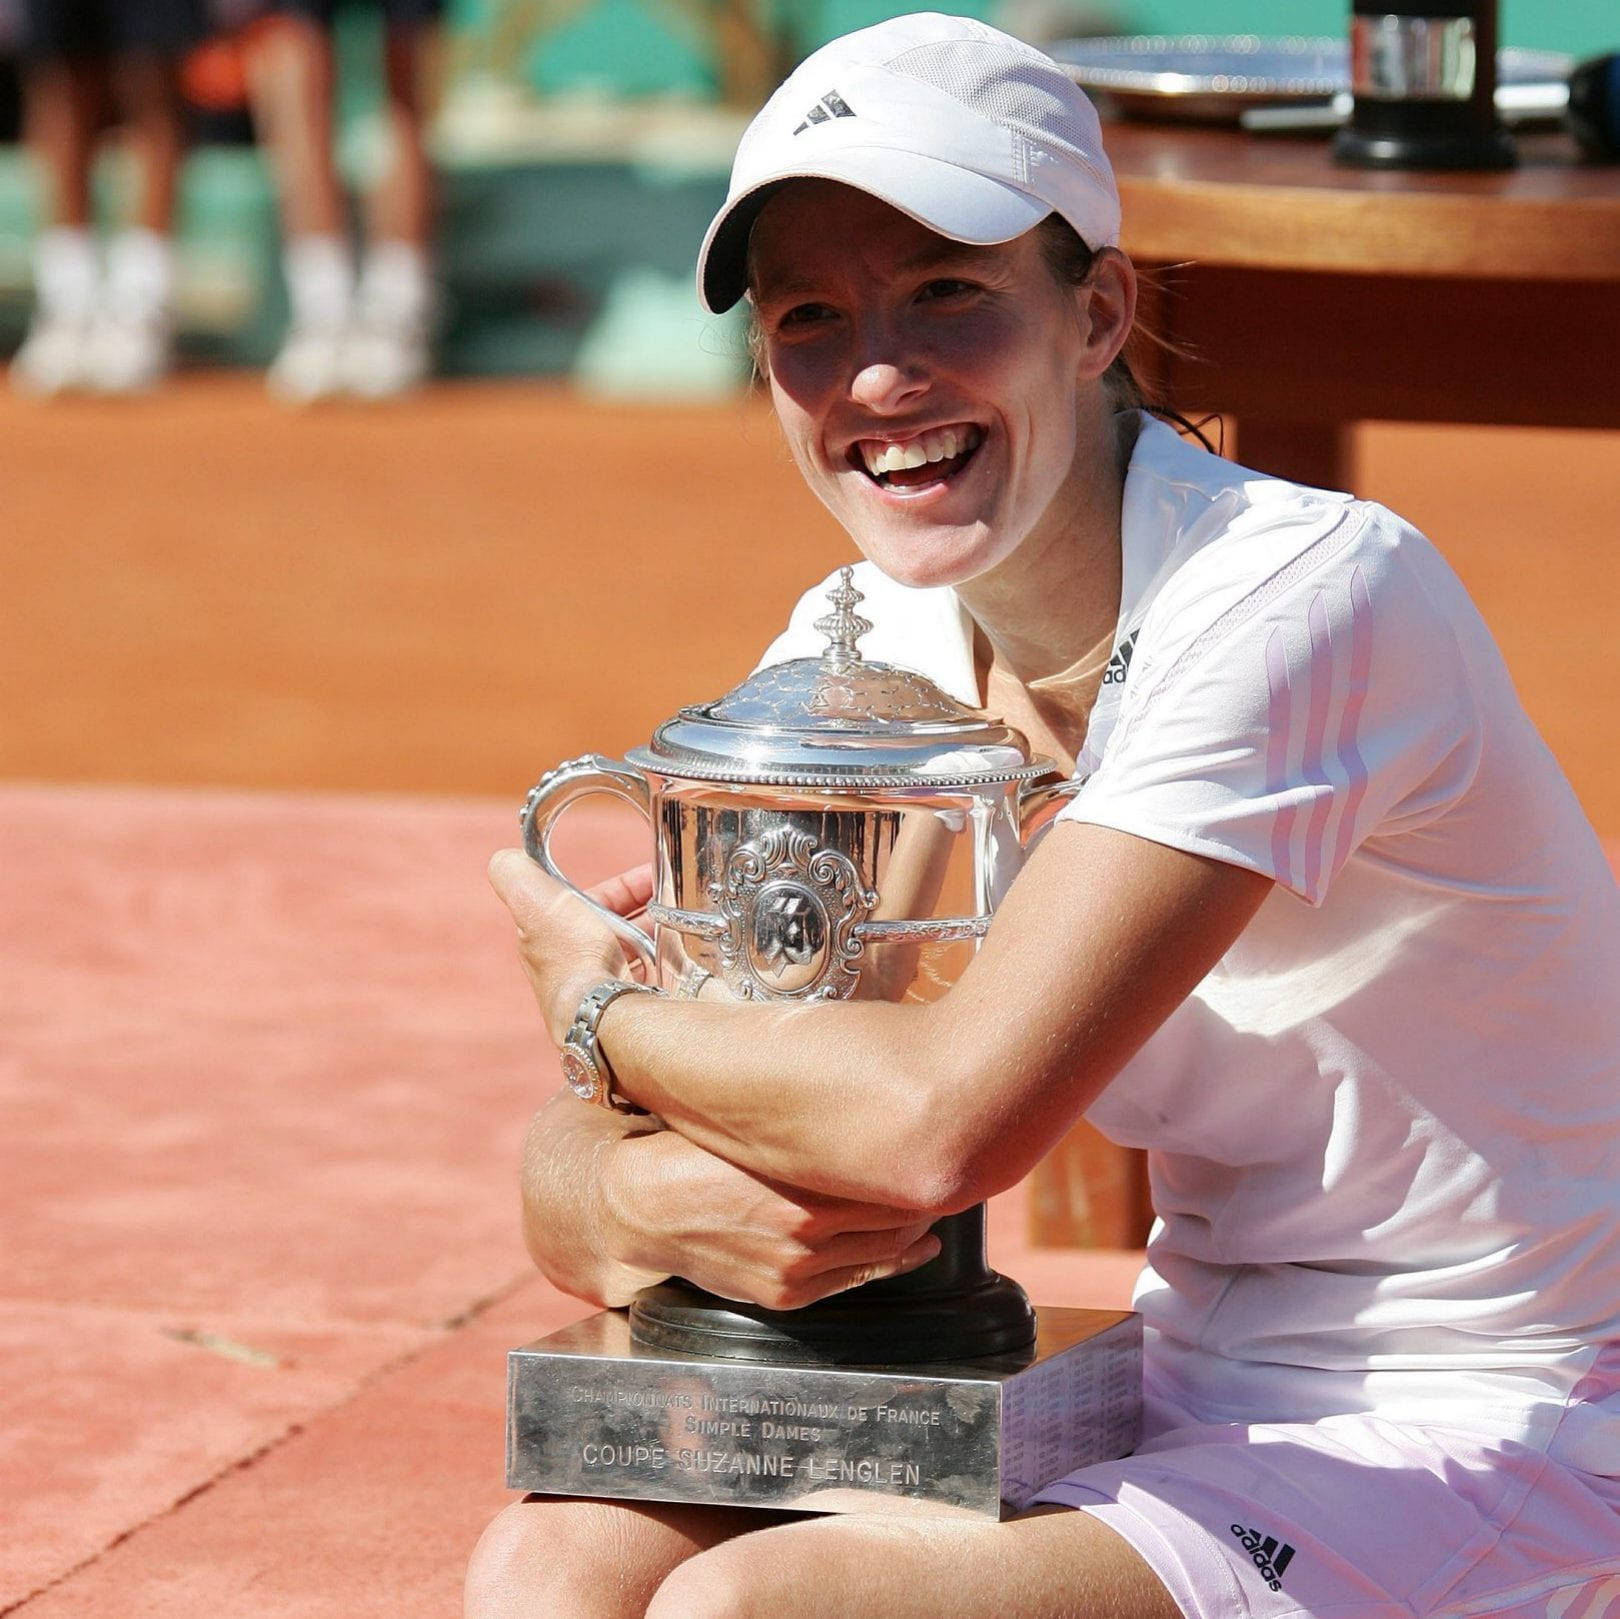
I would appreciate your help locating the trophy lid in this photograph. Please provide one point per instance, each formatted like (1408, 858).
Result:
(838, 721)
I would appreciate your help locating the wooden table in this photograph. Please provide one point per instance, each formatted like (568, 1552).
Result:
(1309, 296)
(1306, 297)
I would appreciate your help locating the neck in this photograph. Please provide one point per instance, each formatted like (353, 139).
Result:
(1047, 614)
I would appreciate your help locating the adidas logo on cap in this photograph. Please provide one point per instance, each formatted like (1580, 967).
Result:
(831, 105)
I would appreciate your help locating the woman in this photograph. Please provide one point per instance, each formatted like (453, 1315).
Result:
(1325, 930)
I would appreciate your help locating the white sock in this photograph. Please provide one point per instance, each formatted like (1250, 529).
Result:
(320, 280)
(67, 275)
(396, 285)
(140, 275)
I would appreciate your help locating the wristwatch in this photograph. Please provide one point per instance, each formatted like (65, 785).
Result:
(584, 1063)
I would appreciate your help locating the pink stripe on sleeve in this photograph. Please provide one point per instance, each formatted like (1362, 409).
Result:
(1278, 723)
(1312, 773)
(1348, 747)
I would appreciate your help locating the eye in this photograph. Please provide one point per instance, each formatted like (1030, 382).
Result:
(947, 287)
(804, 315)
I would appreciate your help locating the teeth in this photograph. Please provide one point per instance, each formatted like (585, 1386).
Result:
(941, 444)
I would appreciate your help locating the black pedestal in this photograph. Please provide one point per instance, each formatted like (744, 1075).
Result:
(953, 1308)
(1401, 137)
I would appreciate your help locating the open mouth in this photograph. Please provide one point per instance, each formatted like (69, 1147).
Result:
(930, 458)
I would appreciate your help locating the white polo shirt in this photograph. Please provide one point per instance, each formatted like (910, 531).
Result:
(1384, 1132)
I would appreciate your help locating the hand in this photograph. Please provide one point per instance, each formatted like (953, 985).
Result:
(565, 949)
(673, 1209)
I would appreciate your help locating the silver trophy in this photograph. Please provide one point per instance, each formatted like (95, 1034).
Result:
(830, 829)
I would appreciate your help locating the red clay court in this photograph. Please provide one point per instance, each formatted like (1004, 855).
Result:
(272, 686)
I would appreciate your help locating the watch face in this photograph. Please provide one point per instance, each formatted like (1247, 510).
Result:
(581, 1073)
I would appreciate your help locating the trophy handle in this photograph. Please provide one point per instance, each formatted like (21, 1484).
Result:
(555, 791)
(1040, 800)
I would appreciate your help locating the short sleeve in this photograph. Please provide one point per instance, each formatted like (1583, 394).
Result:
(1280, 730)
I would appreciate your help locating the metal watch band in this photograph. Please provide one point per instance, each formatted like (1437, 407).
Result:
(585, 1064)
(692, 982)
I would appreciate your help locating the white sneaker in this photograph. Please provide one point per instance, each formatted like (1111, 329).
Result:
(128, 354)
(54, 356)
(381, 360)
(309, 366)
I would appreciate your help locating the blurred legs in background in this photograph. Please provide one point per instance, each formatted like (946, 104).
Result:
(63, 105)
(368, 331)
(131, 342)
(103, 324)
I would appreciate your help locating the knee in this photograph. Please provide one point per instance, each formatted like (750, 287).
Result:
(546, 1557)
(716, 1584)
(495, 1572)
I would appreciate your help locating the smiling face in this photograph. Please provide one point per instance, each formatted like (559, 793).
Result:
(941, 400)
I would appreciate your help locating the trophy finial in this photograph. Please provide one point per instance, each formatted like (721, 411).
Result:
(843, 627)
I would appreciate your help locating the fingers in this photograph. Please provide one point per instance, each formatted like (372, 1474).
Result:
(563, 946)
(850, 1262)
(628, 893)
(669, 1205)
(841, 1278)
(530, 893)
(859, 1276)
(524, 889)
(856, 1249)
(544, 909)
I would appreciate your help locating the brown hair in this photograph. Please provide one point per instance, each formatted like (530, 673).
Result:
(1068, 259)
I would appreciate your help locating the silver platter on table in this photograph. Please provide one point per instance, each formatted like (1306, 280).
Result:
(1216, 77)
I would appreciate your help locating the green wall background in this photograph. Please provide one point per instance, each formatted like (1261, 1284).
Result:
(1582, 27)
(588, 49)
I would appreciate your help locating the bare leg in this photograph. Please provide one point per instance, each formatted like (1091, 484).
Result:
(401, 209)
(291, 74)
(129, 349)
(388, 352)
(1049, 1564)
(553, 1558)
(65, 105)
(147, 92)
(617, 1560)
(65, 102)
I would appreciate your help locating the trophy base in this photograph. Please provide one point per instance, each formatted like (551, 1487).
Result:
(1425, 149)
(592, 1413)
(990, 1317)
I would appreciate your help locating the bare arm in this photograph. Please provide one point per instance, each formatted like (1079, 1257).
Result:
(931, 1107)
(613, 1203)
(566, 1227)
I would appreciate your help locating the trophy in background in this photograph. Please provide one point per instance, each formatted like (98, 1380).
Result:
(1423, 87)
(830, 829)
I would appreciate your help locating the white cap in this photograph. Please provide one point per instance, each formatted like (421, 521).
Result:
(971, 132)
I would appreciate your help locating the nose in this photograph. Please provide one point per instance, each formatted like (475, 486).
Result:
(885, 388)
(887, 376)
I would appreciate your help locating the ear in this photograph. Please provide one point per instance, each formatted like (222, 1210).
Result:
(1108, 309)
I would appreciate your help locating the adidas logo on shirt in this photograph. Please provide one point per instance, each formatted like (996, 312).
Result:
(1270, 1558)
(1120, 664)
(831, 105)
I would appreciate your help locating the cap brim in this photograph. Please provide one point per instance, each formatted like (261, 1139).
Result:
(952, 201)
